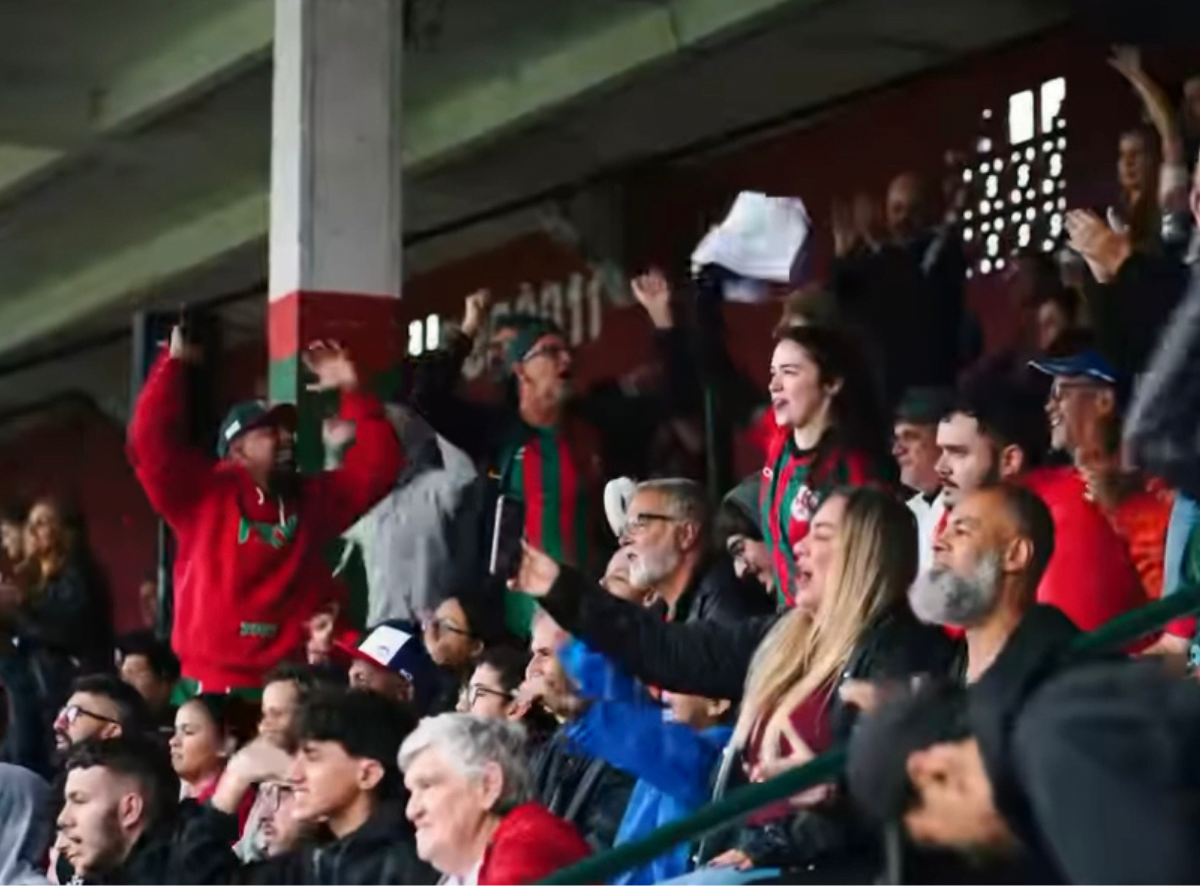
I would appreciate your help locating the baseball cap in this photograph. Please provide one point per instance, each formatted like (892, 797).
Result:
(877, 764)
(252, 414)
(925, 405)
(397, 646)
(528, 329)
(1085, 364)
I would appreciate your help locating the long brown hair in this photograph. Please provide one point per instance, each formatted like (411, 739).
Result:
(855, 412)
(805, 652)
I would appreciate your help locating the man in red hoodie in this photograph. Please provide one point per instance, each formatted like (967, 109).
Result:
(997, 431)
(249, 568)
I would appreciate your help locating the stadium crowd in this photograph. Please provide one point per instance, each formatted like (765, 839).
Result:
(930, 532)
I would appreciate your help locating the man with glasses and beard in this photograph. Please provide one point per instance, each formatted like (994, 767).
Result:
(251, 531)
(667, 536)
(100, 707)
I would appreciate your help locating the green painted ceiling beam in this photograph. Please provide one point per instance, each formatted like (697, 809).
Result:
(240, 35)
(534, 86)
(139, 268)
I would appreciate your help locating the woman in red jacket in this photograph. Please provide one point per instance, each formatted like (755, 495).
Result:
(825, 430)
(470, 804)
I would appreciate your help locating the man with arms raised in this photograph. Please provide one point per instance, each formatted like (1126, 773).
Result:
(250, 570)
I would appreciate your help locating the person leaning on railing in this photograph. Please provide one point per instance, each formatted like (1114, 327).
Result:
(859, 560)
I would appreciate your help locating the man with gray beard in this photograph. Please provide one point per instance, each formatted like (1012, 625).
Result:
(986, 568)
(668, 534)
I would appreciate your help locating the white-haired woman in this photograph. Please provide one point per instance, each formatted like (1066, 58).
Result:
(471, 804)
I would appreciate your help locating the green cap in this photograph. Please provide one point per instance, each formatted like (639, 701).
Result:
(253, 414)
(528, 329)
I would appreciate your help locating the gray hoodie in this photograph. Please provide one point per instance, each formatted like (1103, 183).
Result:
(420, 544)
(25, 835)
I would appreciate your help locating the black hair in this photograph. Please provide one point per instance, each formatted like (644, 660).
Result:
(141, 758)
(732, 520)
(158, 654)
(1009, 413)
(484, 619)
(856, 410)
(15, 512)
(1034, 523)
(307, 678)
(132, 712)
(508, 661)
(1066, 299)
(366, 725)
(234, 716)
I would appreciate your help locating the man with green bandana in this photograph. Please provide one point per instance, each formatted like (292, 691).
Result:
(544, 446)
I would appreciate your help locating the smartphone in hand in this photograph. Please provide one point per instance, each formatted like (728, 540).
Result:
(507, 532)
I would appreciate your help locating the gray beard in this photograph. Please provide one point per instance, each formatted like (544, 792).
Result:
(939, 596)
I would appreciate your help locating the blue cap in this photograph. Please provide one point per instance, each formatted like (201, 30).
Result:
(397, 645)
(1086, 364)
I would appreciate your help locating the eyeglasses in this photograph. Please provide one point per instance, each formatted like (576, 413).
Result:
(274, 793)
(476, 690)
(441, 626)
(73, 712)
(641, 522)
(554, 352)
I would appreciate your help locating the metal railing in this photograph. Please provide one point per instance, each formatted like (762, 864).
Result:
(744, 801)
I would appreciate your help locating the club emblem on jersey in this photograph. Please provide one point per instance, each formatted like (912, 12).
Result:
(804, 505)
(768, 473)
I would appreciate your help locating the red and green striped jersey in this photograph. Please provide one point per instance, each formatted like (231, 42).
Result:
(556, 473)
(795, 483)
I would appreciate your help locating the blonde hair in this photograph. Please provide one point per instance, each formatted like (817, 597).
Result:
(806, 652)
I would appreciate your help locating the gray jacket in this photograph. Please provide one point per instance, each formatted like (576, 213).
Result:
(421, 544)
(1162, 429)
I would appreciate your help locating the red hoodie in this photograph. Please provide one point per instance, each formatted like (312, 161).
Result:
(249, 569)
(530, 844)
(1090, 576)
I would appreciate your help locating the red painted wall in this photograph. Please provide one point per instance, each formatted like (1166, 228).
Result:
(79, 456)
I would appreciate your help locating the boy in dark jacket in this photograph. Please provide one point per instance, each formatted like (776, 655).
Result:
(345, 776)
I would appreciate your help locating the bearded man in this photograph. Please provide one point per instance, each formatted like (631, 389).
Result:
(987, 565)
(668, 540)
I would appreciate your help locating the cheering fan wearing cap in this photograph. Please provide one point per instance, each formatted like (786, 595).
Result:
(251, 531)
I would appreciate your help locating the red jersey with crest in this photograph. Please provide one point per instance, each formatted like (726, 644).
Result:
(795, 483)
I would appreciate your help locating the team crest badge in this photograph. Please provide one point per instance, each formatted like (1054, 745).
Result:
(804, 505)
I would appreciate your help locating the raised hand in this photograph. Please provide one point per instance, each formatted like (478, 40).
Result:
(331, 364)
(653, 293)
(1104, 249)
(475, 312)
(537, 573)
(179, 349)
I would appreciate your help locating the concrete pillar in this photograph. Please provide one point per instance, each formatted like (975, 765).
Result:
(335, 243)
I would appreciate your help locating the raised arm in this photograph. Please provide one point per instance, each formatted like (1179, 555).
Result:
(172, 471)
(697, 658)
(336, 499)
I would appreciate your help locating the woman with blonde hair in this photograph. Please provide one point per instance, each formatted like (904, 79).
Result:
(855, 564)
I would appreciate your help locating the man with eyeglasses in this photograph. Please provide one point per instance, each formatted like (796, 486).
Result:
(546, 446)
(100, 707)
(668, 532)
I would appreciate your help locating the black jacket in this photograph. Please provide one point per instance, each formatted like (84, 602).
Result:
(148, 864)
(716, 594)
(587, 792)
(1105, 756)
(1162, 427)
(382, 851)
(712, 659)
(71, 616)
